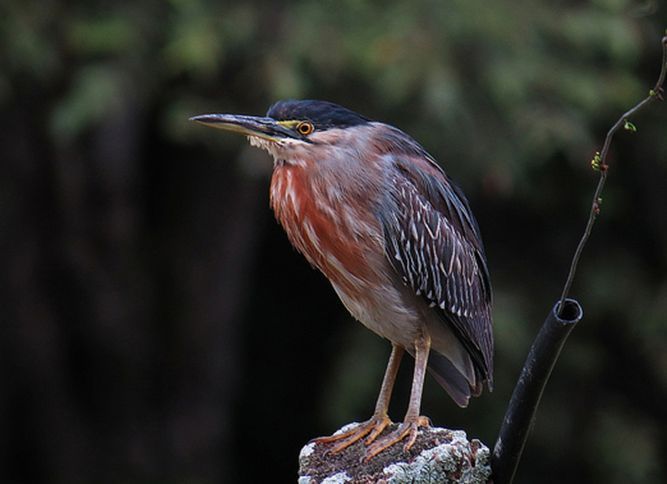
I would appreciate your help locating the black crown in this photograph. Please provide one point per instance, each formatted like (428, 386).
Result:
(323, 114)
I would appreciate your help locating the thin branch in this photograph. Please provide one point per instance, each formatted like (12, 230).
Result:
(566, 313)
(600, 163)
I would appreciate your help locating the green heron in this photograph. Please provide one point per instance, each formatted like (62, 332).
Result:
(373, 211)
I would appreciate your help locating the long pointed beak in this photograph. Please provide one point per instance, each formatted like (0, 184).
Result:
(266, 128)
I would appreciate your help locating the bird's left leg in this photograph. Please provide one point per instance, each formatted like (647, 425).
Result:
(380, 420)
(413, 420)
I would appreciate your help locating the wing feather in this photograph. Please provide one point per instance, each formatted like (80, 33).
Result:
(433, 243)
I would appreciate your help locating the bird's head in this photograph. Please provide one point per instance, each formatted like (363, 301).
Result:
(294, 130)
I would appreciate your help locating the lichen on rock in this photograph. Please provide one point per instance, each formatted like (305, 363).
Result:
(438, 456)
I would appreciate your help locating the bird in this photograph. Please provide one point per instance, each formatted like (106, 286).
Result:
(370, 208)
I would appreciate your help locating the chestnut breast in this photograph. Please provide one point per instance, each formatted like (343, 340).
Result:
(324, 224)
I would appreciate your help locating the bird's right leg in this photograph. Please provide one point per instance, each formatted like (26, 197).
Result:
(380, 419)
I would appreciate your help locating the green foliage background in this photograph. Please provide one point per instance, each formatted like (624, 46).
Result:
(156, 325)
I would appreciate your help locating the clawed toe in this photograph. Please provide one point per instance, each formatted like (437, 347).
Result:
(409, 430)
(374, 427)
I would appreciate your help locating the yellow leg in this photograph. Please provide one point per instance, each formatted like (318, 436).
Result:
(413, 421)
(379, 421)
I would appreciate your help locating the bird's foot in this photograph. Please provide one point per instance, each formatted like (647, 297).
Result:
(409, 430)
(373, 428)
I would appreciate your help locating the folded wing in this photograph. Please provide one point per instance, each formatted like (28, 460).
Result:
(433, 243)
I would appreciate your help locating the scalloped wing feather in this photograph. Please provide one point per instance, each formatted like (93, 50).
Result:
(433, 243)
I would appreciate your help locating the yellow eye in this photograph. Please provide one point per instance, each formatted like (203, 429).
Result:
(305, 128)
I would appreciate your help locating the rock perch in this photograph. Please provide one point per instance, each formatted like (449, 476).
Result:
(438, 456)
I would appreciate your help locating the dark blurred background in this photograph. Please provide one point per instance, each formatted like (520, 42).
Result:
(156, 326)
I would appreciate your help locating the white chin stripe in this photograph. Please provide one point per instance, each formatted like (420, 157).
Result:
(275, 148)
(262, 143)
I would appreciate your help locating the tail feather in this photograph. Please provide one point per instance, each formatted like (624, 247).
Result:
(452, 380)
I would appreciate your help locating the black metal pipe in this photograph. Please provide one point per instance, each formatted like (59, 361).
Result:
(520, 413)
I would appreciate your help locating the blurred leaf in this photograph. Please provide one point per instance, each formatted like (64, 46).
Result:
(112, 34)
(95, 92)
